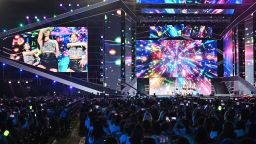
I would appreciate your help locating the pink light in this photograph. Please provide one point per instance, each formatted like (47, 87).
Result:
(119, 12)
(16, 49)
(17, 36)
(27, 17)
(112, 52)
(198, 57)
(17, 58)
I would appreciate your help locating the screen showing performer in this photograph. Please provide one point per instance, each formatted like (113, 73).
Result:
(57, 49)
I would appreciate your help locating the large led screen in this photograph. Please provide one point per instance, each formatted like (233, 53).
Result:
(193, 61)
(228, 54)
(58, 49)
(186, 11)
(190, 1)
(170, 31)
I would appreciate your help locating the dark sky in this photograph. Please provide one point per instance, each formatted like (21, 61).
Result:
(13, 12)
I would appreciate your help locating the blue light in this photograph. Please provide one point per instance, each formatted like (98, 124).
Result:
(21, 70)
(36, 76)
(54, 81)
(70, 87)
(3, 64)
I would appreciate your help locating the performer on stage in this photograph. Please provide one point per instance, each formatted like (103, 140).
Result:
(29, 56)
(50, 50)
(77, 54)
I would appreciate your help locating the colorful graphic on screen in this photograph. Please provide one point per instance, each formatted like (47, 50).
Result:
(58, 49)
(228, 54)
(170, 31)
(186, 11)
(190, 1)
(195, 61)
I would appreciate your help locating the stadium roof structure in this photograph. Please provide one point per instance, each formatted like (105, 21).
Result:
(222, 17)
(87, 12)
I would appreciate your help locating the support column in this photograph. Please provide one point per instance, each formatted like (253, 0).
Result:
(122, 48)
(254, 46)
(241, 49)
(133, 52)
(220, 68)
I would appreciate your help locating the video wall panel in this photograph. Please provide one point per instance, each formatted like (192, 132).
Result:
(58, 49)
(228, 54)
(186, 11)
(190, 1)
(186, 63)
(178, 30)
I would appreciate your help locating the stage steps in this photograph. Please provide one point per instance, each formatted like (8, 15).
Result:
(234, 85)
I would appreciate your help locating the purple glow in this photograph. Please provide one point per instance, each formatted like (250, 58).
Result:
(70, 87)
(61, 5)
(27, 17)
(44, 17)
(228, 54)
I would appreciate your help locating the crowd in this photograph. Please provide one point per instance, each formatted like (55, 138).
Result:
(34, 120)
(174, 120)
